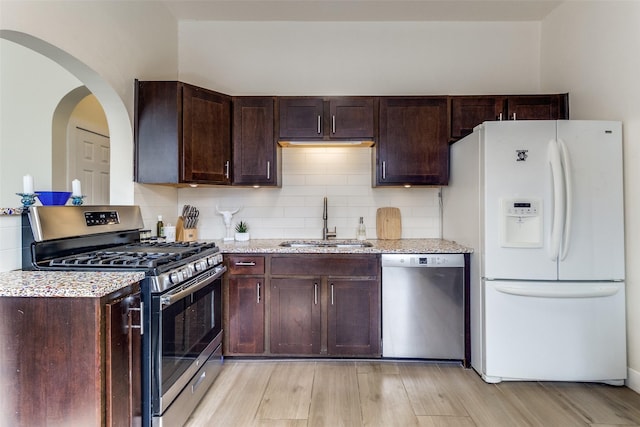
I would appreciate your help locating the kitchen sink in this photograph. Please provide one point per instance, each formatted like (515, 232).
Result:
(326, 244)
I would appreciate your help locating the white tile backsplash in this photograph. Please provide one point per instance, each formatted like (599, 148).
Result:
(342, 174)
(10, 242)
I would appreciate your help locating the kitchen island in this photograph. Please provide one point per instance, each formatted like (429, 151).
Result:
(70, 350)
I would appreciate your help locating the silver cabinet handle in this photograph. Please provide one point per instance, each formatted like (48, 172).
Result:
(268, 170)
(315, 293)
(226, 169)
(332, 294)
(514, 116)
(333, 123)
(245, 263)
(141, 325)
(258, 293)
(500, 117)
(384, 170)
(319, 124)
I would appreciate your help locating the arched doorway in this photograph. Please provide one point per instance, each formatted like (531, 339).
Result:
(120, 129)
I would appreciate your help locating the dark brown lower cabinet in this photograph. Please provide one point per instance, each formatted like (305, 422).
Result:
(70, 361)
(353, 310)
(246, 315)
(295, 316)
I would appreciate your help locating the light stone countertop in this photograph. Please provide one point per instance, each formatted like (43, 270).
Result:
(89, 284)
(96, 284)
(401, 246)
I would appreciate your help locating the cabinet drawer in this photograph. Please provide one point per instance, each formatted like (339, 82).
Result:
(325, 265)
(246, 264)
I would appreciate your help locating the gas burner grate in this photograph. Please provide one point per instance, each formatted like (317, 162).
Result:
(116, 259)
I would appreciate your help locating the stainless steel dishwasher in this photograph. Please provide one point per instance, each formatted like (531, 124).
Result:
(423, 306)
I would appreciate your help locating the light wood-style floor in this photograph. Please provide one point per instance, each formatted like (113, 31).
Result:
(380, 393)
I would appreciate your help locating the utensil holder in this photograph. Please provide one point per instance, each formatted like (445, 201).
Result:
(185, 234)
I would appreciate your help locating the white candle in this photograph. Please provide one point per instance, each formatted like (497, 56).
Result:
(27, 184)
(75, 186)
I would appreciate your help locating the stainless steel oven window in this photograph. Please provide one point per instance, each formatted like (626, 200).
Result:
(188, 322)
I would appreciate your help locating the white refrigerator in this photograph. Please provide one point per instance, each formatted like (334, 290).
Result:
(541, 204)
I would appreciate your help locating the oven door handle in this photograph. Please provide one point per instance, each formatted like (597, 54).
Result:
(174, 296)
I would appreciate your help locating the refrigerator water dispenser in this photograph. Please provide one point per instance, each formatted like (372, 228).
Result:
(521, 223)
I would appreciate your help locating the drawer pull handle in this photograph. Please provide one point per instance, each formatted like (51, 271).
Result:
(246, 263)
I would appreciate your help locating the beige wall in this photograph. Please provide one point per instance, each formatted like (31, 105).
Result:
(360, 58)
(592, 49)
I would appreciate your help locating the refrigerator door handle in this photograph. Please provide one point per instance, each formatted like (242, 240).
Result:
(568, 184)
(558, 199)
(559, 291)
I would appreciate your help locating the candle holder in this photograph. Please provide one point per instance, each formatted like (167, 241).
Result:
(27, 199)
(77, 200)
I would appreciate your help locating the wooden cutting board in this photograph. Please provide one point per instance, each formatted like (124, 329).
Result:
(388, 223)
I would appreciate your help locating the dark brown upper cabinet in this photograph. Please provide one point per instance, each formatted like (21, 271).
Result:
(255, 151)
(307, 118)
(468, 112)
(182, 134)
(412, 146)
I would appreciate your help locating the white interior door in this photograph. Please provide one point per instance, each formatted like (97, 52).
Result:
(92, 165)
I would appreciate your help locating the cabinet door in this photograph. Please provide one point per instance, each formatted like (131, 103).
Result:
(157, 132)
(301, 117)
(468, 112)
(413, 142)
(206, 136)
(351, 118)
(354, 318)
(123, 356)
(537, 107)
(254, 145)
(246, 315)
(295, 316)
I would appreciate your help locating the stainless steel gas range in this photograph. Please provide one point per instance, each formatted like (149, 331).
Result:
(181, 296)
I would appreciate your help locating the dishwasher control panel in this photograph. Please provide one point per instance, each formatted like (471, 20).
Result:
(423, 260)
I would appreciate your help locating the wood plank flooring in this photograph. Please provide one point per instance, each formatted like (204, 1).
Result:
(334, 393)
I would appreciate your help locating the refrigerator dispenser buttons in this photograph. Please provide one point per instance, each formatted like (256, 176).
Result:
(521, 223)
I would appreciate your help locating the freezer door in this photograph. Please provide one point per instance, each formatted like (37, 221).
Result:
(595, 244)
(569, 331)
(516, 167)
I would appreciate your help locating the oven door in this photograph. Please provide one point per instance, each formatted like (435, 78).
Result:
(188, 328)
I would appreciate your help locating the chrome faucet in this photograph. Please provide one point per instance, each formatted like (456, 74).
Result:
(326, 234)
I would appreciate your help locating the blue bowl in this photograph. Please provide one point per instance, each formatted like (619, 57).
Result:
(53, 198)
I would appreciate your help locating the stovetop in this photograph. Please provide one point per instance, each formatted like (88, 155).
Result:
(139, 255)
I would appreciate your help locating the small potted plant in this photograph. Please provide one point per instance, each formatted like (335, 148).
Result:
(242, 231)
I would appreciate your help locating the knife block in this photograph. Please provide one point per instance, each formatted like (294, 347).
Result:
(185, 234)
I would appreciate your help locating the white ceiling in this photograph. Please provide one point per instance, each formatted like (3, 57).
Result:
(361, 10)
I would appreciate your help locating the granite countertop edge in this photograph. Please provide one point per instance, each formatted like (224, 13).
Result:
(65, 284)
(400, 246)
